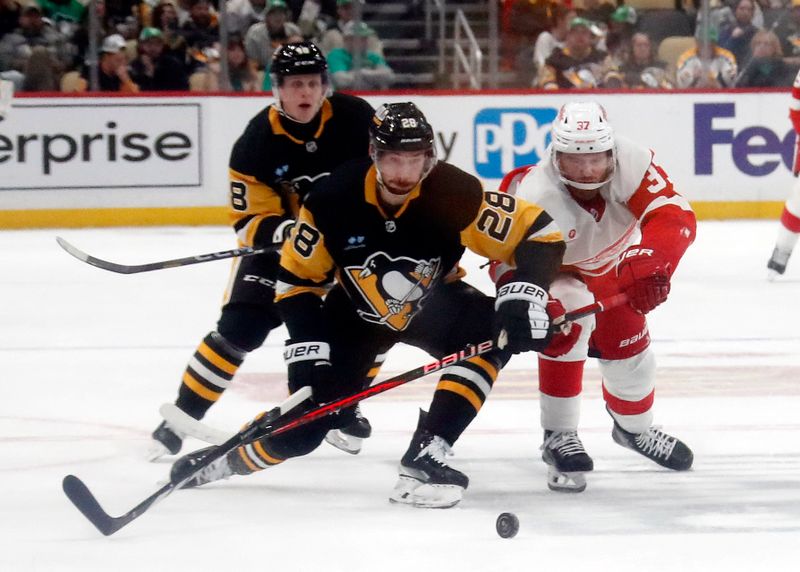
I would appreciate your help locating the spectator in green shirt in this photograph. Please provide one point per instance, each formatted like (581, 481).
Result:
(375, 73)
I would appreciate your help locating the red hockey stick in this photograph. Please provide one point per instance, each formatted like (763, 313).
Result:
(276, 422)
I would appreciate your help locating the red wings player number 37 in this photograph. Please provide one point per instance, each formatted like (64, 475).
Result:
(626, 229)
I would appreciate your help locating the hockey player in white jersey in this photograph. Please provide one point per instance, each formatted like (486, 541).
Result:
(789, 228)
(626, 229)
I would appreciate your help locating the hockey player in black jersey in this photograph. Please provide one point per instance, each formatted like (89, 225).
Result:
(286, 148)
(392, 230)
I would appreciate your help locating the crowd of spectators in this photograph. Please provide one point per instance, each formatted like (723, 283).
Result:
(580, 44)
(175, 45)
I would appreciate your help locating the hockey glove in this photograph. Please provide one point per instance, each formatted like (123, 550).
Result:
(521, 323)
(565, 334)
(796, 163)
(644, 277)
(309, 364)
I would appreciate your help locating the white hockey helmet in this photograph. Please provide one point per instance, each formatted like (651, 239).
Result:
(582, 127)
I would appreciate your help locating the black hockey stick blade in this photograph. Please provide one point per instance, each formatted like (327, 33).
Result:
(84, 501)
(174, 263)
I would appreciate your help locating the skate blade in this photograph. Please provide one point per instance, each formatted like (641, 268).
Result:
(346, 443)
(413, 492)
(156, 451)
(565, 482)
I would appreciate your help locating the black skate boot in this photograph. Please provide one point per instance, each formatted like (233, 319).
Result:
(426, 480)
(351, 437)
(566, 460)
(777, 263)
(217, 470)
(667, 451)
(165, 441)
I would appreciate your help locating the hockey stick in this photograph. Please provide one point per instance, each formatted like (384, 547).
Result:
(84, 500)
(279, 421)
(273, 423)
(175, 263)
(182, 422)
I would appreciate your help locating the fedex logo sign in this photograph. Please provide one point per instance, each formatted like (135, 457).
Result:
(756, 151)
(508, 138)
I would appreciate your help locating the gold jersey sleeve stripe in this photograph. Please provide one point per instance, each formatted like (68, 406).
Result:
(550, 237)
(461, 390)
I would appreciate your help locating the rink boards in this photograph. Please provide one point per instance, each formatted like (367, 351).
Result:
(122, 161)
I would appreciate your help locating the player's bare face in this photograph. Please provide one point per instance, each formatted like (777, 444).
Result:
(402, 170)
(585, 168)
(301, 96)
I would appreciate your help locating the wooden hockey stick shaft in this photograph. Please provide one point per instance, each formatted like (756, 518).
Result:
(161, 265)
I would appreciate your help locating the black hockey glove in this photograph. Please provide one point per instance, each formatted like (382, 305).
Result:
(521, 322)
(309, 364)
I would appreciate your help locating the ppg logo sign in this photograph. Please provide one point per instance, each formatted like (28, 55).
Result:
(509, 138)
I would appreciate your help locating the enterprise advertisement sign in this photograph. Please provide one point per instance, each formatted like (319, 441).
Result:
(90, 145)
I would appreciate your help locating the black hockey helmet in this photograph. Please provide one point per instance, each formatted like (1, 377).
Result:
(298, 58)
(401, 127)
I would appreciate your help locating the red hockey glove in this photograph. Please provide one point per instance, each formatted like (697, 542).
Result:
(644, 277)
(565, 335)
(796, 162)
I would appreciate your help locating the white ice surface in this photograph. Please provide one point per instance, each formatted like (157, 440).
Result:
(87, 356)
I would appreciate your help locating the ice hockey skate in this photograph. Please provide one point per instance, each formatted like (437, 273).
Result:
(567, 461)
(217, 470)
(777, 263)
(166, 441)
(426, 480)
(351, 438)
(664, 449)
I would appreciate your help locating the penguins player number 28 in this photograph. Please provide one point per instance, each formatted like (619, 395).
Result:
(494, 223)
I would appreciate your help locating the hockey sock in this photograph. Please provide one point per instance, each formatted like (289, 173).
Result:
(255, 456)
(460, 394)
(788, 232)
(208, 374)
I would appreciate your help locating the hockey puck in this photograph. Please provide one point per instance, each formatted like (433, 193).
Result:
(507, 525)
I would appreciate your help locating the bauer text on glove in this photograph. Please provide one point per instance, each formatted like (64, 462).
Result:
(309, 364)
(521, 322)
(644, 277)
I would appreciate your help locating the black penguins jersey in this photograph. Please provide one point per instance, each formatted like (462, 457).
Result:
(390, 263)
(275, 162)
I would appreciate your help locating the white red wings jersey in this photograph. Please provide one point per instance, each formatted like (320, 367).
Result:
(794, 107)
(639, 198)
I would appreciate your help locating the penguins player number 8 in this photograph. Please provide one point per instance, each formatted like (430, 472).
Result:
(238, 196)
(305, 239)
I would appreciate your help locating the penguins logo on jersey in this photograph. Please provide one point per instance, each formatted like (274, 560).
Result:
(393, 288)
